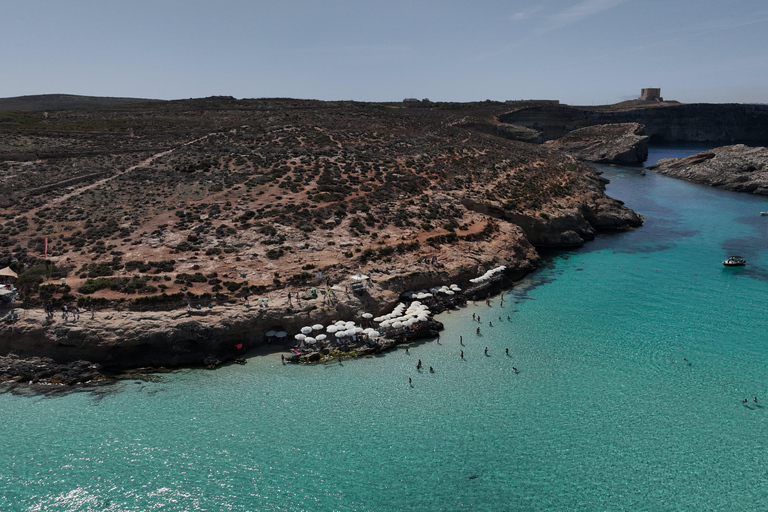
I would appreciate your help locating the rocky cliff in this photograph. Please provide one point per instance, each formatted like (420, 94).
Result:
(699, 122)
(739, 168)
(622, 143)
(265, 198)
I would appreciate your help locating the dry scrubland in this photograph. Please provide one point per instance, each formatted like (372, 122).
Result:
(151, 206)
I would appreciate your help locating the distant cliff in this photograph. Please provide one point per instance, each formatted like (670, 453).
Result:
(622, 143)
(698, 122)
(739, 168)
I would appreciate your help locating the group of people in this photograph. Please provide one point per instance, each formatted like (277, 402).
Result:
(419, 364)
(65, 312)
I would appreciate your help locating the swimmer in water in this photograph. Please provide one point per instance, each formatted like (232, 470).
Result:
(473, 316)
(507, 351)
(486, 350)
(478, 330)
(462, 354)
(754, 399)
(490, 324)
(410, 381)
(461, 340)
(431, 370)
(515, 369)
(507, 317)
(406, 350)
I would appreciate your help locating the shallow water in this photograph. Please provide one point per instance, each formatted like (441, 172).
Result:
(604, 414)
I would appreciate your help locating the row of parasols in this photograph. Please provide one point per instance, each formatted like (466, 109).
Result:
(488, 275)
(340, 329)
(425, 294)
(404, 317)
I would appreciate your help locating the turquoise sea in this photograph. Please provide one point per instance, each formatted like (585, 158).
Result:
(634, 355)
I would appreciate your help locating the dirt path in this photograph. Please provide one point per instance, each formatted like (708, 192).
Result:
(97, 183)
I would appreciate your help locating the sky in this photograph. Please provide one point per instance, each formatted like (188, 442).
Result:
(581, 52)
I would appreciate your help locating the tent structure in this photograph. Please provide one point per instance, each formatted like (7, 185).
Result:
(8, 272)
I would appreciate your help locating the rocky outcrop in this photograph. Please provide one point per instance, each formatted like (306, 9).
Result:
(622, 143)
(739, 168)
(43, 370)
(504, 130)
(698, 122)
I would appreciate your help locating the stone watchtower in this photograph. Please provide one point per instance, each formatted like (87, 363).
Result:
(651, 94)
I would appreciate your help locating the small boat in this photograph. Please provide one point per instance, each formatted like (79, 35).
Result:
(763, 213)
(735, 261)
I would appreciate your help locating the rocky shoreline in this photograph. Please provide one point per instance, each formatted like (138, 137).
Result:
(738, 168)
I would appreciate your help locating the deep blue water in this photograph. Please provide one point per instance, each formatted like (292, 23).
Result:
(634, 355)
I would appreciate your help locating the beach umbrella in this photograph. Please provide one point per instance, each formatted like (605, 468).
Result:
(374, 334)
(331, 328)
(281, 334)
(449, 292)
(310, 341)
(359, 277)
(8, 272)
(320, 337)
(306, 330)
(270, 333)
(358, 330)
(397, 324)
(367, 315)
(300, 337)
(340, 323)
(317, 327)
(341, 334)
(385, 323)
(337, 288)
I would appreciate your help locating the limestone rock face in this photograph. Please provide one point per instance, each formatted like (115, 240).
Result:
(739, 168)
(622, 143)
(666, 122)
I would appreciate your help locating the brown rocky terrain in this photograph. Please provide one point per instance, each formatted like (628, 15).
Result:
(739, 168)
(622, 143)
(217, 202)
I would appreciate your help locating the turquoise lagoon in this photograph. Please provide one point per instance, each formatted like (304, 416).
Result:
(634, 355)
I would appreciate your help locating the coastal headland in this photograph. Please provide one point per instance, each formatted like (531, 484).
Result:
(184, 231)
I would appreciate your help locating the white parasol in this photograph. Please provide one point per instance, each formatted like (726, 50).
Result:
(306, 330)
(281, 334)
(300, 337)
(317, 327)
(269, 334)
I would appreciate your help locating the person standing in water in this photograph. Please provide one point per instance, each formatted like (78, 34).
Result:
(462, 354)
(486, 350)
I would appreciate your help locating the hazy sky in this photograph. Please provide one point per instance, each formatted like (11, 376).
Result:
(577, 51)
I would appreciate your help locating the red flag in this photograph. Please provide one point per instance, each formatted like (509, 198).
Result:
(239, 346)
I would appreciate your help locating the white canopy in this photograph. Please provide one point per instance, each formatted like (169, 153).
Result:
(8, 272)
